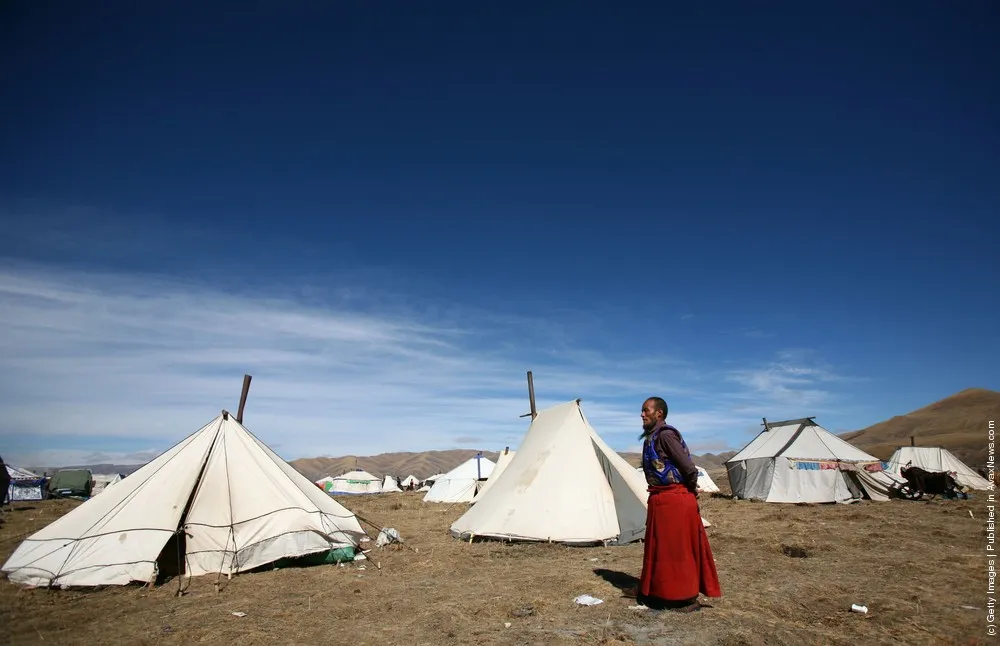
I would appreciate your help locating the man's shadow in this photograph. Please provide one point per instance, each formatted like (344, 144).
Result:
(628, 584)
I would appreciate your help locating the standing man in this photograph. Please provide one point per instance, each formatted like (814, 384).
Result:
(677, 562)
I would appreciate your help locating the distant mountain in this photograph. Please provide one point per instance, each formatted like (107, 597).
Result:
(957, 423)
(428, 463)
(123, 469)
(421, 465)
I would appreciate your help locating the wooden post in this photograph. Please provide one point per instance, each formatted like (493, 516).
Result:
(243, 398)
(913, 441)
(765, 424)
(531, 395)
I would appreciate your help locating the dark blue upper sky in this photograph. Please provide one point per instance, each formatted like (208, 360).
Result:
(817, 177)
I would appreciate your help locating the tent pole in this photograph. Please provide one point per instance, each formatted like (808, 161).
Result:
(531, 395)
(243, 398)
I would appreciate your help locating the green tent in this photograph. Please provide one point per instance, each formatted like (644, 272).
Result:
(71, 482)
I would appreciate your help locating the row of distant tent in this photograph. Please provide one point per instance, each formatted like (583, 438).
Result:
(183, 512)
(80, 483)
(359, 481)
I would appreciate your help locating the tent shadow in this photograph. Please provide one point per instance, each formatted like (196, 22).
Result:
(627, 583)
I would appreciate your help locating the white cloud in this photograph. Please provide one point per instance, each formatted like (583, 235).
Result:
(92, 361)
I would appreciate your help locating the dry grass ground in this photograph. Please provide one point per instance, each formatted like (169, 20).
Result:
(914, 564)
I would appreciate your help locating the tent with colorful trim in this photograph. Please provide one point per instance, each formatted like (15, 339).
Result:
(799, 461)
(357, 481)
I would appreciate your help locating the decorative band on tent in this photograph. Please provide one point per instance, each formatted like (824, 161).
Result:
(828, 465)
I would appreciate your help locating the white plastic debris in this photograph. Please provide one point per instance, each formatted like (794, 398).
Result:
(861, 609)
(638, 607)
(239, 614)
(593, 560)
(386, 536)
(506, 624)
(587, 600)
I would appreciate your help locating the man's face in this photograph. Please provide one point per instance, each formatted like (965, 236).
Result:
(650, 416)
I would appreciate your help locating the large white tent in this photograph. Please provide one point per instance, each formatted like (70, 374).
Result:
(935, 458)
(410, 480)
(799, 461)
(220, 499)
(353, 482)
(600, 498)
(462, 483)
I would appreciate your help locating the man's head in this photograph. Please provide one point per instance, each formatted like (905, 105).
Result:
(654, 411)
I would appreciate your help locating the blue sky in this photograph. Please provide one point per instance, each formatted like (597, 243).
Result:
(388, 214)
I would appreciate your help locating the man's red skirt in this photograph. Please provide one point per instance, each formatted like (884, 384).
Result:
(677, 560)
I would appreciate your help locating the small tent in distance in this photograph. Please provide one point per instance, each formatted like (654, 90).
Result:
(502, 461)
(799, 461)
(389, 485)
(24, 485)
(935, 458)
(357, 481)
(221, 500)
(462, 483)
(533, 500)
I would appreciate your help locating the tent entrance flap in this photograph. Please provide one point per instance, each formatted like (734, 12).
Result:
(630, 511)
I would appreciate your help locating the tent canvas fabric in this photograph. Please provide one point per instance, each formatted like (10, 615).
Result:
(502, 461)
(534, 500)
(389, 485)
(411, 480)
(935, 458)
(799, 461)
(24, 485)
(357, 481)
(462, 483)
(220, 499)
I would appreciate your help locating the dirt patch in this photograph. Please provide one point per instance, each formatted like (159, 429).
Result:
(913, 564)
(794, 551)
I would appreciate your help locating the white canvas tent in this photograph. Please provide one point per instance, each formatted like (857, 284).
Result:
(705, 482)
(935, 458)
(502, 461)
(357, 481)
(220, 499)
(104, 480)
(462, 483)
(389, 485)
(799, 461)
(410, 480)
(600, 499)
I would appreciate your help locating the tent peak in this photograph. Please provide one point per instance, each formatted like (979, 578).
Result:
(807, 421)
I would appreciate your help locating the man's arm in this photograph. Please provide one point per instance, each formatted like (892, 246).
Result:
(671, 446)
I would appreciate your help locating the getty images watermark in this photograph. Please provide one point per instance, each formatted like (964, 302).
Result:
(991, 547)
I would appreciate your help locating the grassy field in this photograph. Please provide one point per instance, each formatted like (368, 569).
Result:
(916, 565)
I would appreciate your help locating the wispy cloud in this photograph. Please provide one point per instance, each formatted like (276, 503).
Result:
(795, 382)
(95, 360)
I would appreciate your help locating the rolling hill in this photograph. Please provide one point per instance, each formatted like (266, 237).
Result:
(957, 423)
